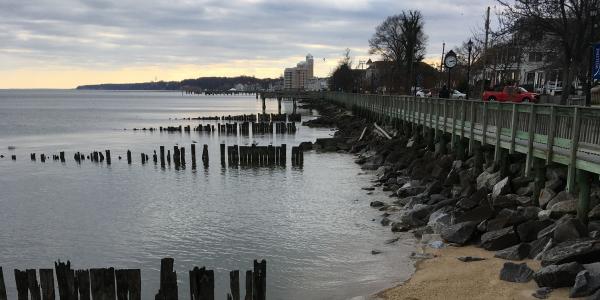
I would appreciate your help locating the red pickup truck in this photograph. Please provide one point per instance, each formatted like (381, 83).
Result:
(511, 94)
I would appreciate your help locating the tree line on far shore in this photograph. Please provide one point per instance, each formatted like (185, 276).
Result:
(204, 83)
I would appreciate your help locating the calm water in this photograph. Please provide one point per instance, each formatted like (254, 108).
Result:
(313, 225)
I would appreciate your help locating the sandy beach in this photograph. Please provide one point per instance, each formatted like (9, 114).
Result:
(445, 277)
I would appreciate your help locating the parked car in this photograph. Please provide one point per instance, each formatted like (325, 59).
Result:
(456, 94)
(511, 94)
(423, 93)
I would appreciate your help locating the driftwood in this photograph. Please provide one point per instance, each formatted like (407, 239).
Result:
(362, 134)
(382, 131)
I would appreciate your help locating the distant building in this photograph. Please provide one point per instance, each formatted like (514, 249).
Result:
(297, 78)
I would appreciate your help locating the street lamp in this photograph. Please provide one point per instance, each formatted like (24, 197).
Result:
(470, 48)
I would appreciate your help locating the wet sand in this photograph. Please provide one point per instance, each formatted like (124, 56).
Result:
(445, 277)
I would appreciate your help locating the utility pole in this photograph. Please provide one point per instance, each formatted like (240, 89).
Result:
(442, 61)
(485, 46)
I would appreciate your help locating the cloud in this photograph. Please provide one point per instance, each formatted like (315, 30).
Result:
(114, 35)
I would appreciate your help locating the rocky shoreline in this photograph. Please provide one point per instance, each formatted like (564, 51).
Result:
(452, 202)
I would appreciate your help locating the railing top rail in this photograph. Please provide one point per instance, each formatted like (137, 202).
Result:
(588, 110)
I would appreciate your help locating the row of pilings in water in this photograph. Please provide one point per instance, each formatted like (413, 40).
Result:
(247, 156)
(252, 118)
(111, 283)
(231, 128)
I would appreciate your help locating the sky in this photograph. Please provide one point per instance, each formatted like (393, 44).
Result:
(66, 43)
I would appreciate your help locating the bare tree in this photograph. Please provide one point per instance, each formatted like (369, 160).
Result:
(401, 39)
(567, 20)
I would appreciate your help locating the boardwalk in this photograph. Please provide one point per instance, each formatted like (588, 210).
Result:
(567, 135)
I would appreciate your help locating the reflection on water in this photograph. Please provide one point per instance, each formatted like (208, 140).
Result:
(317, 238)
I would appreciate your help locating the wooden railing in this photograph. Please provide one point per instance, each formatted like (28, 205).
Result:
(568, 135)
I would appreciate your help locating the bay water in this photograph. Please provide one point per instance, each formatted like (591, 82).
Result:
(313, 224)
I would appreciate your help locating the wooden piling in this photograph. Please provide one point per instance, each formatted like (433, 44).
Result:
(249, 295)
(128, 157)
(259, 280)
(539, 166)
(202, 284)
(32, 156)
(234, 284)
(176, 157)
(82, 279)
(2, 286)
(33, 285)
(182, 156)
(65, 277)
(193, 151)
(47, 284)
(143, 158)
(22, 285)
(222, 154)
(128, 284)
(584, 179)
(168, 281)
(102, 283)
(205, 155)
(108, 160)
(155, 157)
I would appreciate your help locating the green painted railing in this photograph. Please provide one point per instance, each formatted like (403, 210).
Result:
(568, 135)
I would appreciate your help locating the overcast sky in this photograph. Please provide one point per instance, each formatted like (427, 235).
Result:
(65, 43)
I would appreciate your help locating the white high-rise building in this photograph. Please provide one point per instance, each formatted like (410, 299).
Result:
(297, 78)
(310, 66)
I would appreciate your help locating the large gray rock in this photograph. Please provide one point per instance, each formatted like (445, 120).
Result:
(439, 220)
(568, 229)
(487, 180)
(538, 246)
(417, 216)
(529, 212)
(400, 227)
(501, 188)
(459, 233)
(562, 208)
(529, 230)
(557, 276)
(594, 214)
(582, 251)
(555, 184)
(477, 215)
(409, 190)
(505, 201)
(499, 239)
(382, 172)
(520, 182)
(516, 272)
(586, 284)
(516, 252)
(560, 197)
(545, 196)
(433, 188)
(526, 190)
(377, 204)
